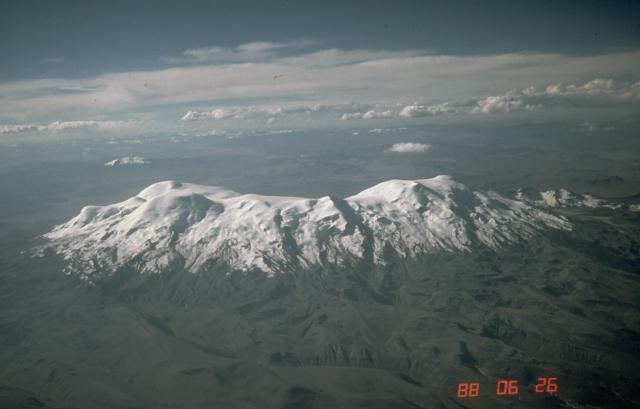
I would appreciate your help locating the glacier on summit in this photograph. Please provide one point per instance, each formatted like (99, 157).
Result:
(191, 226)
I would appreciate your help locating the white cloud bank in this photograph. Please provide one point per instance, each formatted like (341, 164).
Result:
(415, 110)
(409, 147)
(269, 112)
(370, 114)
(597, 93)
(383, 83)
(60, 126)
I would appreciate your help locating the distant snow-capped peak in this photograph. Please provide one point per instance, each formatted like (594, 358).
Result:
(556, 198)
(127, 160)
(173, 224)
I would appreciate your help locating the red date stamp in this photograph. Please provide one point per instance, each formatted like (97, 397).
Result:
(509, 387)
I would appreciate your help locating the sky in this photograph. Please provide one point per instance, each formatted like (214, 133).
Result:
(118, 67)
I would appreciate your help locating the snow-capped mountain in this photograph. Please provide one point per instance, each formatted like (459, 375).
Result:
(172, 224)
(127, 160)
(556, 198)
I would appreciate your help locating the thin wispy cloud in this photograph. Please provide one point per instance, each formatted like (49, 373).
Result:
(53, 60)
(349, 85)
(254, 51)
(591, 127)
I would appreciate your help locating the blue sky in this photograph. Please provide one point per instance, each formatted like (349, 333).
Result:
(193, 65)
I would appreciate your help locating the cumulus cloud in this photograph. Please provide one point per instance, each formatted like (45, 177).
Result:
(592, 94)
(60, 126)
(512, 101)
(416, 110)
(377, 114)
(213, 114)
(398, 110)
(595, 93)
(370, 114)
(269, 112)
(409, 147)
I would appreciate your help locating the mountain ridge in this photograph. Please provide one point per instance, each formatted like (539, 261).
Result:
(172, 222)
